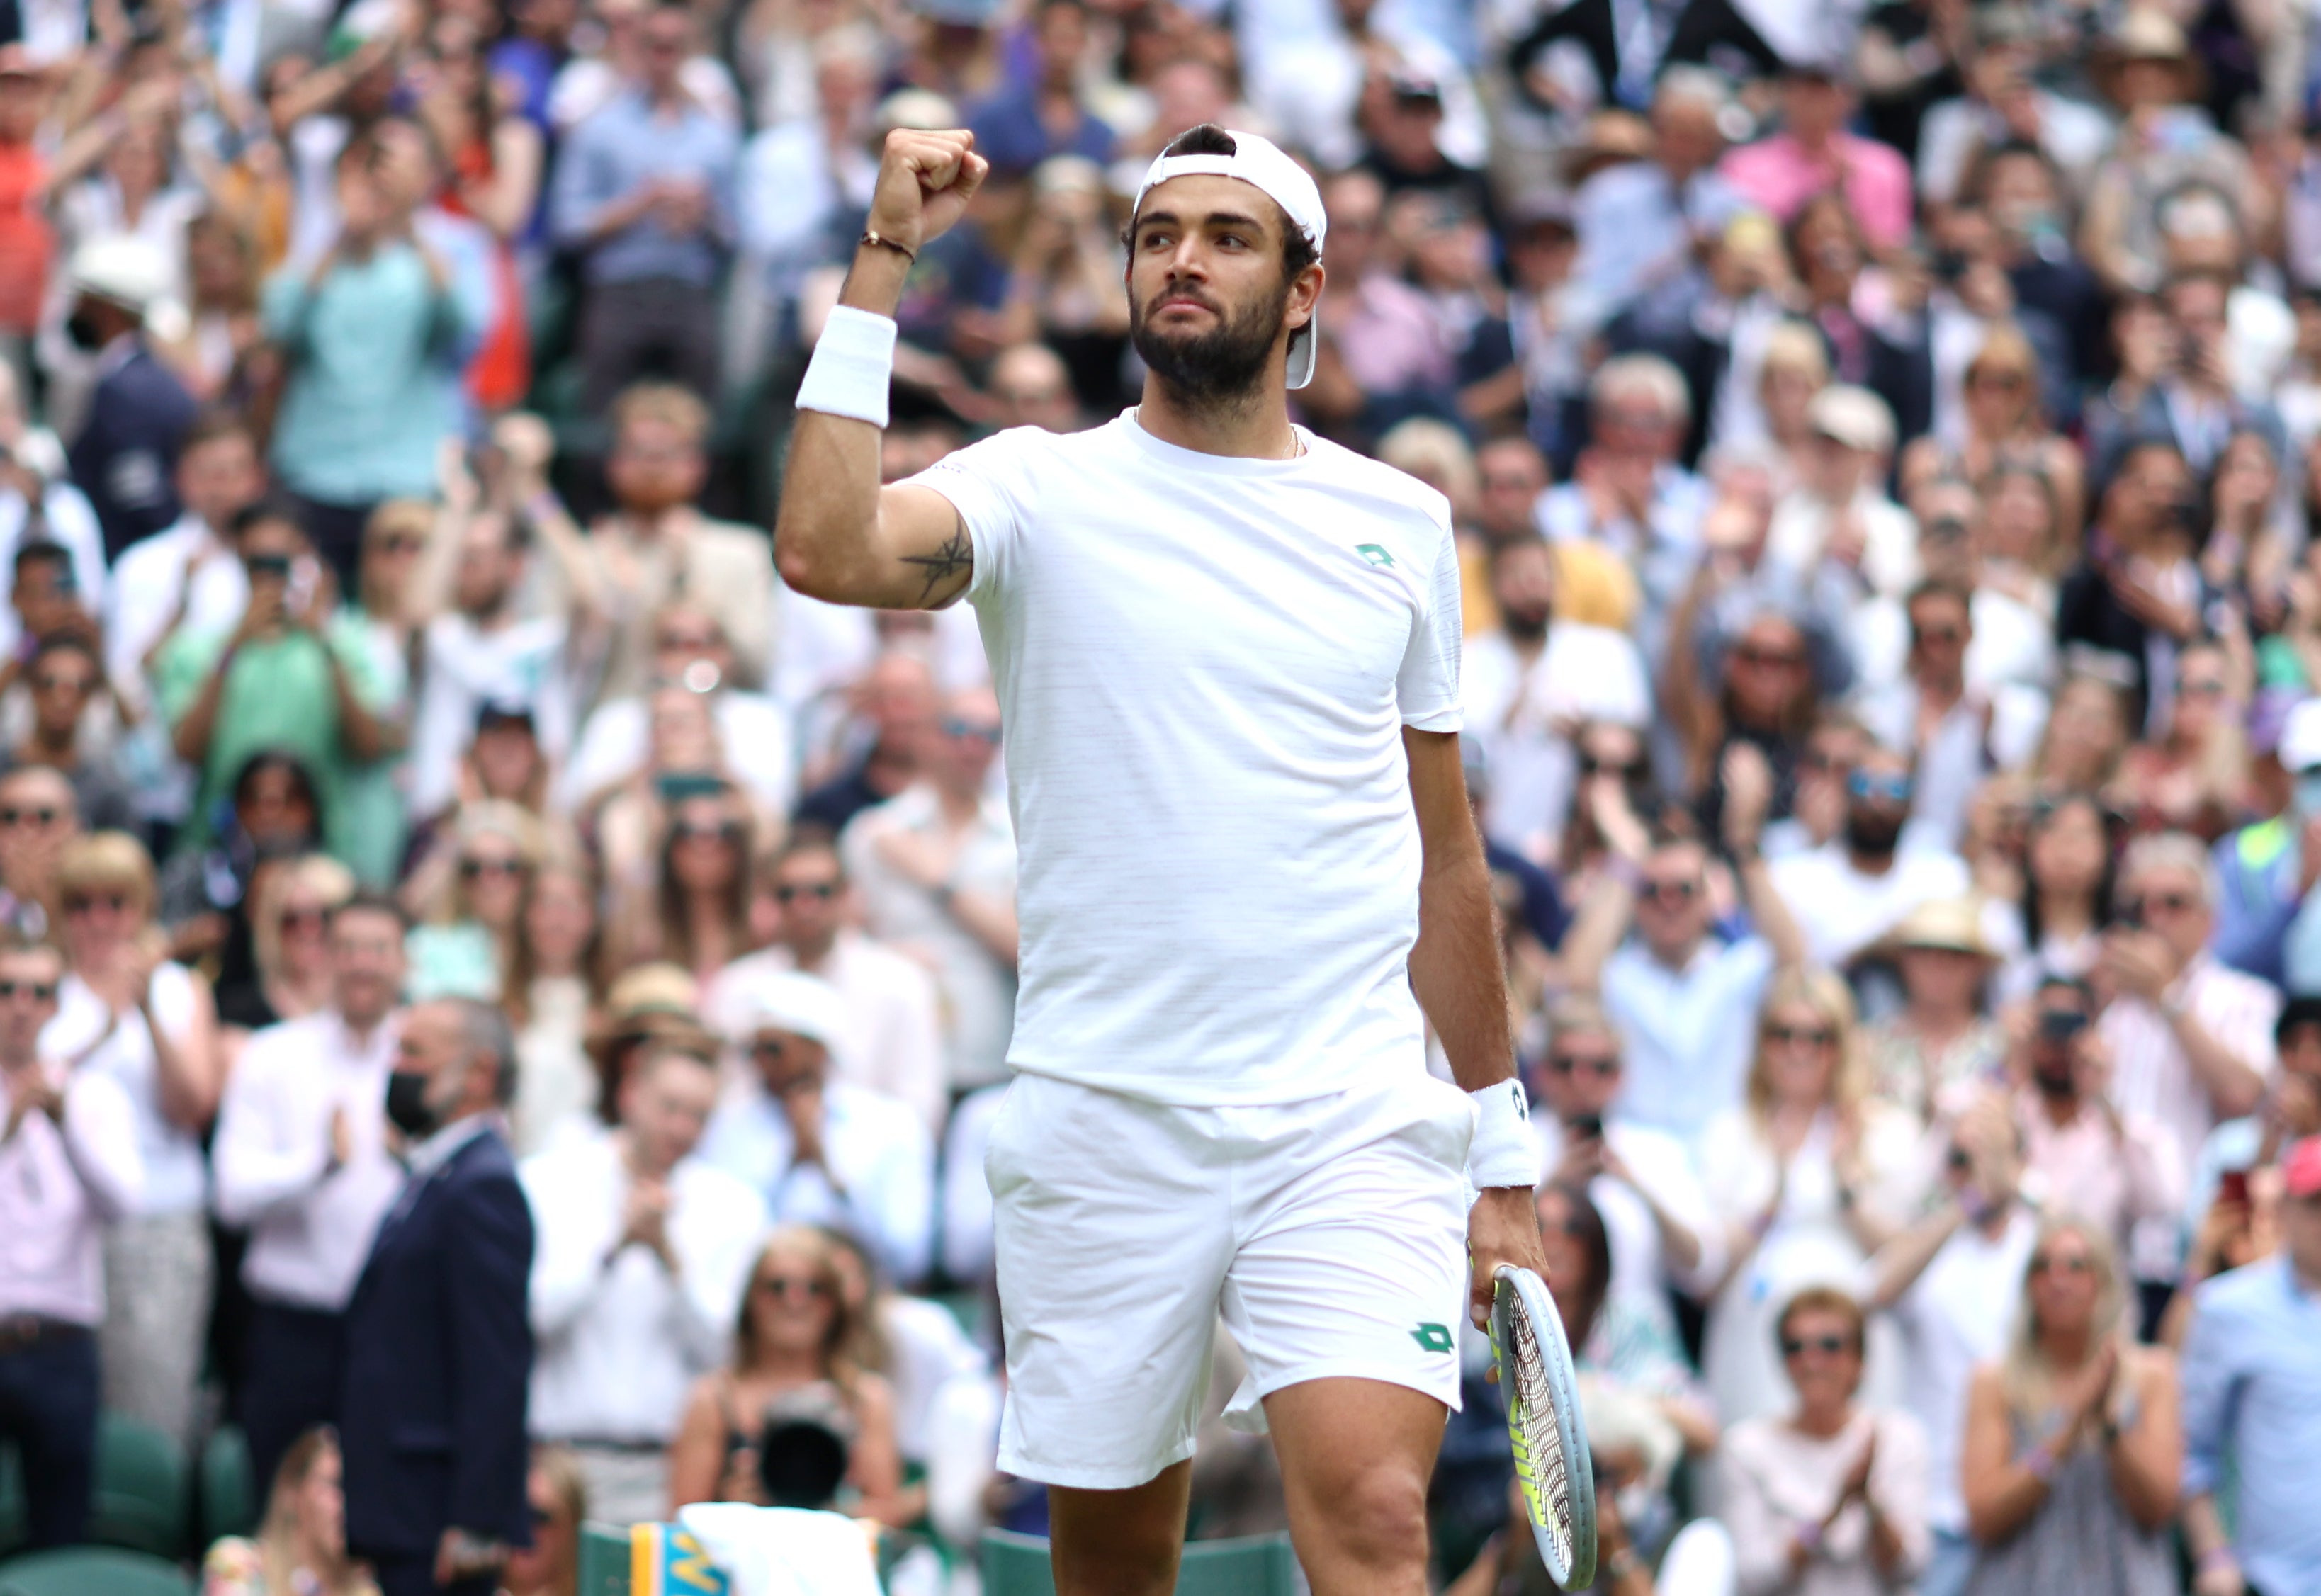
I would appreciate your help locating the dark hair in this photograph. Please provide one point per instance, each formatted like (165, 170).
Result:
(1823, 1299)
(68, 642)
(1298, 250)
(2297, 1011)
(271, 508)
(369, 902)
(41, 552)
(1585, 1227)
(219, 421)
(813, 840)
(2044, 815)
(272, 759)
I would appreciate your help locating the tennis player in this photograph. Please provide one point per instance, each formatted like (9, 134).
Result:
(1226, 653)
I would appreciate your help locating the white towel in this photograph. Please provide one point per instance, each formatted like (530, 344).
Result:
(783, 1551)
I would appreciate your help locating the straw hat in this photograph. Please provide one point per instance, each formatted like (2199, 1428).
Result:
(2147, 34)
(1954, 925)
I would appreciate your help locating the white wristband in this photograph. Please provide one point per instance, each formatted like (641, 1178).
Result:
(853, 362)
(1503, 1153)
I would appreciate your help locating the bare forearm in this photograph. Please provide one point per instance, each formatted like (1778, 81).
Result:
(1770, 911)
(1901, 1263)
(1455, 969)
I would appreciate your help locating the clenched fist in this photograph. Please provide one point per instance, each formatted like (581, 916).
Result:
(924, 182)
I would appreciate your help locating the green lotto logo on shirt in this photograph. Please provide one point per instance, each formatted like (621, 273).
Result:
(1432, 1337)
(1375, 554)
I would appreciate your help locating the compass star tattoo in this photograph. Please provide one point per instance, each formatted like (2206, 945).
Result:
(955, 555)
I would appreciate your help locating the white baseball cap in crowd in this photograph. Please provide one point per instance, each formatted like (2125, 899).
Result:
(122, 268)
(1260, 163)
(2300, 737)
(790, 1000)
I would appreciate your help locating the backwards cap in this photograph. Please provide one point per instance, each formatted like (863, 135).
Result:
(1260, 163)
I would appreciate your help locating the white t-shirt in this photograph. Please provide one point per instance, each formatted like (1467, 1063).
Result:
(177, 1175)
(1203, 665)
(1841, 910)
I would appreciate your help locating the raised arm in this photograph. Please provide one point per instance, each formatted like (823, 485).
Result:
(840, 535)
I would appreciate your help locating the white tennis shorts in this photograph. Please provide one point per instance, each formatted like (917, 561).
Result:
(1331, 1234)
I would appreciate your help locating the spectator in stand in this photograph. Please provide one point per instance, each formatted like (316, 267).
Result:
(437, 1338)
(301, 1159)
(1811, 1175)
(1044, 116)
(2074, 1443)
(796, 1350)
(554, 989)
(894, 701)
(1814, 154)
(374, 336)
(1939, 1041)
(26, 241)
(188, 573)
(937, 869)
(466, 944)
(692, 906)
(290, 947)
(1951, 1282)
(821, 1151)
(301, 1546)
(644, 191)
(1829, 1499)
(559, 1494)
(69, 727)
(657, 548)
(125, 1011)
(1683, 1001)
(643, 1255)
(895, 1044)
(69, 1168)
(126, 451)
(2252, 1364)
(2263, 880)
(1664, 1234)
(38, 816)
(41, 509)
(2117, 1170)
(2190, 1041)
(290, 675)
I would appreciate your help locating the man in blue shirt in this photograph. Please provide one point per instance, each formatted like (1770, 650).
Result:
(644, 188)
(2253, 1386)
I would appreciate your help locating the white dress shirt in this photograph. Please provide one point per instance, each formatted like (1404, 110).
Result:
(70, 522)
(2152, 1078)
(120, 1046)
(310, 1225)
(620, 1337)
(894, 1040)
(1843, 912)
(147, 581)
(879, 1185)
(1955, 1315)
(753, 730)
(59, 1187)
(978, 988)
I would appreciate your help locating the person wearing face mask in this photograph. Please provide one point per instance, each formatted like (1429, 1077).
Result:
(1531, 675)
(138, 416)
(438, 1341)
(2116, 1167)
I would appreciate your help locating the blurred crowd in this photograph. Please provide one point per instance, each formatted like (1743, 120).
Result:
(501, 1004)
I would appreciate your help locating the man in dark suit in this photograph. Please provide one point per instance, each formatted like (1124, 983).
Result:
(438, 1349)
(125, 456)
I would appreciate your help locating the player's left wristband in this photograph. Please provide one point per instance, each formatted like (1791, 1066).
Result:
(1503, 1153)
(852, 366)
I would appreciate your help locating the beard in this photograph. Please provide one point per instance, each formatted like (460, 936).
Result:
(1524, 628)
(1872, 834)
(1221, 366)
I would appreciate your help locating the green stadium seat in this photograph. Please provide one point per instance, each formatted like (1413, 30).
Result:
(13, 1529)
(1254, 1565)
(229, 1496)
(142, 1499)
(92, 1571)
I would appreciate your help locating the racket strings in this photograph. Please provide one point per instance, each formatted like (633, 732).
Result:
(1536, 1414)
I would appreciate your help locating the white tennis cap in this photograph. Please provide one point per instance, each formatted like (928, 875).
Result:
(789, 1001)
(1260, 163)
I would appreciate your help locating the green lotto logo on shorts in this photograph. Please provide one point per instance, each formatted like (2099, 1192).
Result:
(1380, 558)
(1432, 1337)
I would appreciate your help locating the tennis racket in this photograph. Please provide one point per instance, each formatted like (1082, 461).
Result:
(1544, 1422)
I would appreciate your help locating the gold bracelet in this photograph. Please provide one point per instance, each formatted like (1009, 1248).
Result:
(870, 240)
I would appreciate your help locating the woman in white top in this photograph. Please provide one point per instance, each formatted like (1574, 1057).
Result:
(553, 987)
(1810, 1176)
(124, 1010)
(1830, 1498)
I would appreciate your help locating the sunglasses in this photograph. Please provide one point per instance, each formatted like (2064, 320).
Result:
(1603, 1065)
(821, 892)
(51, 684)
(1769, 658)
(302, 920)
(82, 903)
(1827, 1345)
(1893, 789)
(2067, 1264)
(2137, 909)
(396, 543)
(2202, 689)
(39, 992)
(695, 831)
(1819, 1036)
(2007, 380)
(469, 869)
(690, 642)
(1592, 766)
(984, 730)
(1682, 891)
(793, 1285)
(40, 816)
